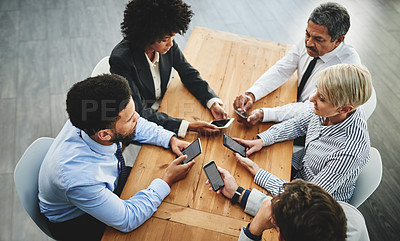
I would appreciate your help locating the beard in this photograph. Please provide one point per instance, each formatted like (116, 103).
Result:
(122, 138)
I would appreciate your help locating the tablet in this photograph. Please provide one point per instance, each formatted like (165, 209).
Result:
(234, 145)
(192, 151)
(222, 124)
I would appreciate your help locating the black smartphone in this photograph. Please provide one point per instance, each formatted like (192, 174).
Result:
(234, 145)
(213, 175)
(221, 124)
(242, 114)
(192, 151)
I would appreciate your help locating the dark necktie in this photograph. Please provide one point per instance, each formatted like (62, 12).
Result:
(306, 76)
(121, 163)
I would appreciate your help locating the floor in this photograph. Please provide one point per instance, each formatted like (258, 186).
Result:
(47, 45)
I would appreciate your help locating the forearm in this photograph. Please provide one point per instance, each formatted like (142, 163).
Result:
(286, 112)
(150, 133)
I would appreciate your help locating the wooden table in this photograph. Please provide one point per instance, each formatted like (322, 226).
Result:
(230, 63)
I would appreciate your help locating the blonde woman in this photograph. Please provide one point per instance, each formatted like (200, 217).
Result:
(337, 141)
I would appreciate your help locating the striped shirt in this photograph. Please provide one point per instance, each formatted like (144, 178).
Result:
(333, 155)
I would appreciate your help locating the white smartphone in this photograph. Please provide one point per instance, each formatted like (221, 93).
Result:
(222, 124)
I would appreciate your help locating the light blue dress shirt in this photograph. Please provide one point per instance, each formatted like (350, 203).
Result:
(79, 175)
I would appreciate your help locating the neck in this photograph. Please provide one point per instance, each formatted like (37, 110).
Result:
(150, 54)
(329, 121)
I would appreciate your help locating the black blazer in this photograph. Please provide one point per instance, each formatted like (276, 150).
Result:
(132, 64)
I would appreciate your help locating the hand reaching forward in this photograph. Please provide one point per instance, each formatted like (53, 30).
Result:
(176, 171)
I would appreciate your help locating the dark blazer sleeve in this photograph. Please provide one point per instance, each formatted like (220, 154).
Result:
(191, 77)
(121, 63)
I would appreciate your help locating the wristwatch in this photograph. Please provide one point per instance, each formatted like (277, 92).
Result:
(237, 194)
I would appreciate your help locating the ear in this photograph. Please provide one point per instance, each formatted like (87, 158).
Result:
(345, 109)
(339, 40)
(104, 135)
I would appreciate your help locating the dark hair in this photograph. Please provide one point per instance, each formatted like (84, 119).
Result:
(305, 211)
(94, 103)
(334, 16)
(146, 21)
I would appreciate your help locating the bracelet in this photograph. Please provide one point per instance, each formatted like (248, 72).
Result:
(237, 194)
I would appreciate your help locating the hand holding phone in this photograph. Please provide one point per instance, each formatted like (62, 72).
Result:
(213, 175)
(234, 145)
(242, 114)
(192, 151)
(222, 124)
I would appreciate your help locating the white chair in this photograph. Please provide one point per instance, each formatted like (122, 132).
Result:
(26, 176)
(368, 180)
(370, 105)
(102, 67)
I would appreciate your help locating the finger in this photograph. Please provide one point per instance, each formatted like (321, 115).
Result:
(247, 106)
(207, 182)
(179, 159)
(241, 141)
(177, 151)
(189, 165)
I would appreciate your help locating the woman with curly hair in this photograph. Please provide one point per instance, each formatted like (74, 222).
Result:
(146, 56)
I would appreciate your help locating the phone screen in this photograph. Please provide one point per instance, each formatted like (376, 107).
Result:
(234, 145)
(220, 123)
(213, 175)
(192, 151)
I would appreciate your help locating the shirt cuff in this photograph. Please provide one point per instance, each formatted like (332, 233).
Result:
(262, 177)
(250, 235)
(161, 187)
(266, 137)
(255, 92)
(211, 101)
(183, 128)
(269, 115)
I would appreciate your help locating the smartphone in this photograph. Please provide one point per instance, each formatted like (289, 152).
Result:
(192, 151)
(242, 114)
(222, 124)
(213, 175)
(234, 145)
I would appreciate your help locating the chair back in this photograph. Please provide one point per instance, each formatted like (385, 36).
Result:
(26, 176)
(370, 105)
(102, 67)
(368, 180)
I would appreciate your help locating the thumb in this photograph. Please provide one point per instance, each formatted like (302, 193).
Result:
(179, 159)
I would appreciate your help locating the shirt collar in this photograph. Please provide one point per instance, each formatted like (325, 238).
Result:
(331, 130)
(326, 57)
(97, 147)
(156, 58)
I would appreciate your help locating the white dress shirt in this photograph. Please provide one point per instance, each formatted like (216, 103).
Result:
(298, 59)
(155, 73)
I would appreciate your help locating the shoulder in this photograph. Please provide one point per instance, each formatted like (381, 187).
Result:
(348, 54)
(356, 227)
(121, 51)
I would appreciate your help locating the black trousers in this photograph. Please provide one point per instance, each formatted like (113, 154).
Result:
(84, 227)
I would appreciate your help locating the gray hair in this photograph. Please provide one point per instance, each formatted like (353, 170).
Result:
(334, 16)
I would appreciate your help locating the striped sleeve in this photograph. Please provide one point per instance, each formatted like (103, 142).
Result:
(287, 130)
(268, 181)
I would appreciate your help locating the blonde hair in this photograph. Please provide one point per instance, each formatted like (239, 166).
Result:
(345, 84)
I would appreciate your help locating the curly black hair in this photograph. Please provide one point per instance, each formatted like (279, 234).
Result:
(94, 103)
(146, 21)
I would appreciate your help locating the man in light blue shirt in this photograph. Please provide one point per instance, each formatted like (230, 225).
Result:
(80, 172)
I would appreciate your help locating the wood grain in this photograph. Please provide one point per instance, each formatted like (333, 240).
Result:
(227, 61)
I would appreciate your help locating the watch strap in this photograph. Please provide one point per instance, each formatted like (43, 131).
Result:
(237, 194)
